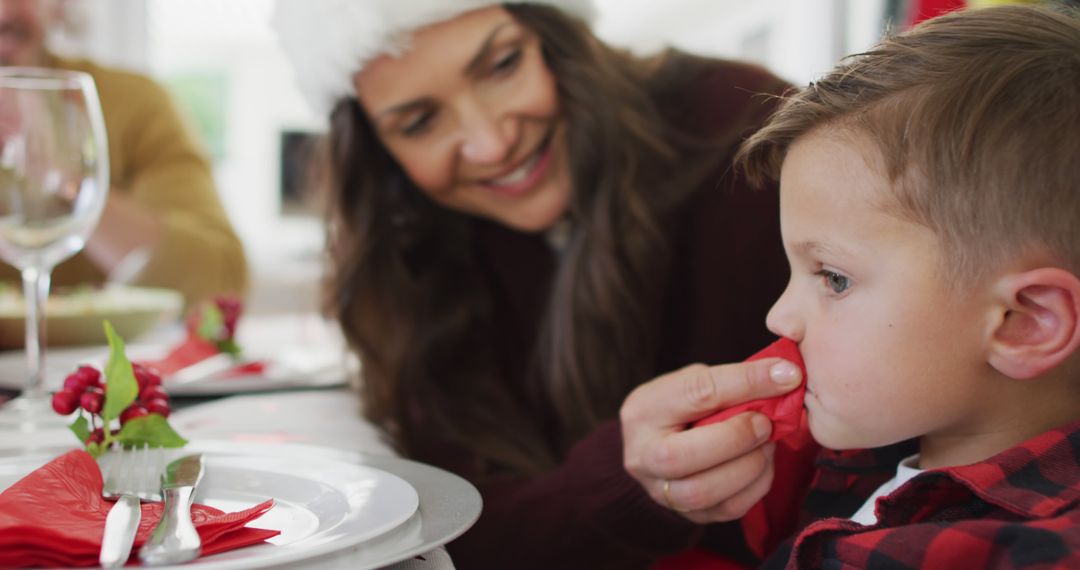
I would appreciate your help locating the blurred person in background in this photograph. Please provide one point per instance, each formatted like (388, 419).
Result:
(525, 225)
(163, 224)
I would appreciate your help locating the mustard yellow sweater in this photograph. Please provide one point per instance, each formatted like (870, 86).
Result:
(154, 159)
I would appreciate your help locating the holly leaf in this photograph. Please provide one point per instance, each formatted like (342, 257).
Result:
(210, 322)
(229, 346)
(95, 449)
(152, 430)
(120, 385)
(81, 428)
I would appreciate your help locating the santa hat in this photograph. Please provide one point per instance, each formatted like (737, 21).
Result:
(328, 41)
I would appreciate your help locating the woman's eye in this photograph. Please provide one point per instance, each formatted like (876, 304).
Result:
(419, 124)
(836, 282)
(507, 63)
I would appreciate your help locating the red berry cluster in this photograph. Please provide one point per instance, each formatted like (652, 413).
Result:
(151, 399)
(230, 308)
(84, 389)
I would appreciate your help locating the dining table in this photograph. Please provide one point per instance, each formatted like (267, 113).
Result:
(302, 416)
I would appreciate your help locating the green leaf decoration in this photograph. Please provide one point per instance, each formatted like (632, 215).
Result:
(121, 389)
(211, 322)
(95, 449)
(229, 346)
(151, 430)
(120, 385)
(81, 428)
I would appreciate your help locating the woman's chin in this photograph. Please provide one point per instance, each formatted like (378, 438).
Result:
(539, 216)
(532, 225)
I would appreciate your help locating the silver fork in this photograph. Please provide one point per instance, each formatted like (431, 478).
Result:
(131, 476)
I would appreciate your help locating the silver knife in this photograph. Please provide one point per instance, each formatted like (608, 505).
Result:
(174, 539)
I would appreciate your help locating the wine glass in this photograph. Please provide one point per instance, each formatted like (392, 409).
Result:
(54, 177)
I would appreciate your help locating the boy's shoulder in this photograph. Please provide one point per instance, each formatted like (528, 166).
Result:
(1019, 508)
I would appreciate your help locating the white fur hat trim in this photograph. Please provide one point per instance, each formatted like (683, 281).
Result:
(328, 41)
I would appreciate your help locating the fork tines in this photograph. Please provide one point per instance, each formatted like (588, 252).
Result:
(135, 471)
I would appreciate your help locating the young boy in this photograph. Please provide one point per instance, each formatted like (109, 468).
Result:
(930, 209)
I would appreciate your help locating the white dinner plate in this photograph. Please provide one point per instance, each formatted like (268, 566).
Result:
(322, 504)
(300, 351)
(297, 367)
(449, 506)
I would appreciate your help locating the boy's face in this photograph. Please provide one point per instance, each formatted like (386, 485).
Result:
(890, 352)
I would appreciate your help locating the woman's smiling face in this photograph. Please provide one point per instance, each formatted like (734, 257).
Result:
(471, 113)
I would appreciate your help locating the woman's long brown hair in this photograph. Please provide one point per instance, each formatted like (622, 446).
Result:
(411, 301)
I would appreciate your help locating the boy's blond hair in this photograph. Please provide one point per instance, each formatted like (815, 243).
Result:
(977, 117)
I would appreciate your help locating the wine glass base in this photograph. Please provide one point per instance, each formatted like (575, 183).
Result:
(30, 414)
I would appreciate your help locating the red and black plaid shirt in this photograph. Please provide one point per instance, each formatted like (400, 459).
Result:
(1018, 509)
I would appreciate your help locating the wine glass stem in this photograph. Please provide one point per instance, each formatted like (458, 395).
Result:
(36, 284)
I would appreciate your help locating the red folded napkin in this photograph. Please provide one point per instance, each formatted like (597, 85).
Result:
(193, 349)
(55, 516)
(211, 330)
(786, 411)
(773, 518)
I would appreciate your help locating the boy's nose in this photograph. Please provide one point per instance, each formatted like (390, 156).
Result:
(782, 319)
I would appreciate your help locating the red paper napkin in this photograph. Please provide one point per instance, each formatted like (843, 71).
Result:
(55, 516)
(786, 411)
(773, 518)
(211, 329)
(193, 349)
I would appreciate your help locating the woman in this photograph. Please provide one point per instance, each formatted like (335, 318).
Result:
(526, 225)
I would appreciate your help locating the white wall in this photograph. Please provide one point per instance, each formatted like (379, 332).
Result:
(232, 37)
(797, 39)
(111, 31)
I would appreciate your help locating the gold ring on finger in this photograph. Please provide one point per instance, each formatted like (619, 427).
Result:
(667, 496)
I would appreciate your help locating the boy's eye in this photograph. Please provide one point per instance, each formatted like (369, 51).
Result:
(836, 282)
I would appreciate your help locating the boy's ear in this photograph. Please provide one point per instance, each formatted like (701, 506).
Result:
(1039, 324)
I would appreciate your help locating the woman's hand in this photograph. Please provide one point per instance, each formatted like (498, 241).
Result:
(715, 472)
